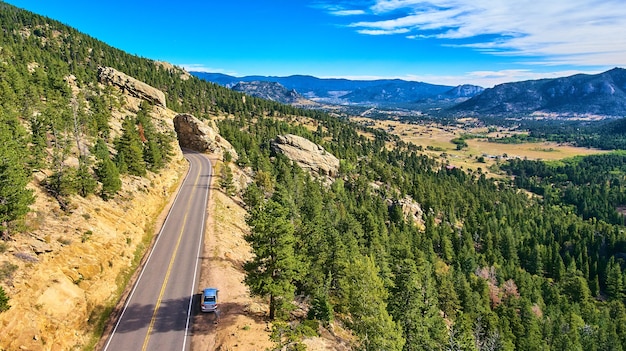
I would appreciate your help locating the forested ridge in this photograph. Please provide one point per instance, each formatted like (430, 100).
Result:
(500, 269)
(56, 119)
(593, 185)
(607, 134)
(490, 268)
(51, 102)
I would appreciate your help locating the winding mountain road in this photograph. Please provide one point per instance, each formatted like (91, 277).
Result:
(158, 310)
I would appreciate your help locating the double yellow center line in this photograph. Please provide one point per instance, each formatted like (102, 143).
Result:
(167, 275)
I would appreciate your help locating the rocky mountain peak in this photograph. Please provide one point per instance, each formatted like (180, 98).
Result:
(580, 94)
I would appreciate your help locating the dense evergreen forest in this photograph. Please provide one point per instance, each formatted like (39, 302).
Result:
(490, 268)
(500, 269)
(607, 134)
(594, 185)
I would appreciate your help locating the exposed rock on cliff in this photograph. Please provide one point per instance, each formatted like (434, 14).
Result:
(67, 265)
(196, 135)
(411, 210)
(132, 86)
(308, 155)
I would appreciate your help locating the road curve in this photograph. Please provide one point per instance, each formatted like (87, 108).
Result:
(157, 312)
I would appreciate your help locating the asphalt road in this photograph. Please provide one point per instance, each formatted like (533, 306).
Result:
(158, 310)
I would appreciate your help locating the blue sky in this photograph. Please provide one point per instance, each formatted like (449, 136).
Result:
(483, 42)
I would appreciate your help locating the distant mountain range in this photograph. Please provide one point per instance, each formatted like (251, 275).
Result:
(383, 93)
(269, 91)
(601, 94)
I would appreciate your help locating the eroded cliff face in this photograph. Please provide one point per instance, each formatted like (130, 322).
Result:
(411, 210)
(308, 155)
(201, 136)
(64, 269)
(58, 293)
(131, 86)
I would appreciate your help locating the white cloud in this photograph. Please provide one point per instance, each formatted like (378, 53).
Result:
(383, 31)
(580, 32)
(339, 10)
(383, 6)
(347, 12)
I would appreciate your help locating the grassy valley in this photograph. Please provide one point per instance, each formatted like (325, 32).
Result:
(482, 149)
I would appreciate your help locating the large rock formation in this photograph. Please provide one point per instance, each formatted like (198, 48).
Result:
(196, 135)
(134, 87)
(308, 155)
(411, 210)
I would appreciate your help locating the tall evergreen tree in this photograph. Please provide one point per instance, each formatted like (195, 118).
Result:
(273, 270)
(152, 150)
(226, 180)
(614, 280)
(130, 150)
(100, 150)
(38, 130)
(109, 176)
(415, 308)
(85, 182)
(365, 295)
(15, 198)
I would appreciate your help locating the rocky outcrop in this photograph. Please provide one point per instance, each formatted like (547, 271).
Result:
(411, 210)
(196, 135)
(308, 155)
(132, 86)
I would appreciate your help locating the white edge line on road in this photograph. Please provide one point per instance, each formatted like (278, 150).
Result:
(119, 319)
(195, 272)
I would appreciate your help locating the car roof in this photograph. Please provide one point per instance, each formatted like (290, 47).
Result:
(210, 291)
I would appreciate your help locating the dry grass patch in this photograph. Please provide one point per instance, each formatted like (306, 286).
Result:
(436, 140)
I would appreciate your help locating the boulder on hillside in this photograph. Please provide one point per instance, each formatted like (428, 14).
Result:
(411, 210)
(308, 155)
(134, 87)
(196, 135)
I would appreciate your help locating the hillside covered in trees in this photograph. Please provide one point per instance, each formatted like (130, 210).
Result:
(490, 268)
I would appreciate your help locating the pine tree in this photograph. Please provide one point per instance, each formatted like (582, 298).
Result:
(85, 182)
(364, 294)
(130, 150)
(415, 308)
(152, 155)
(226, 180)
(273, 270)
(39, 143)
(152, 150)
(15, 198)
(614, 282)
(100, 150)
(109, 176)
